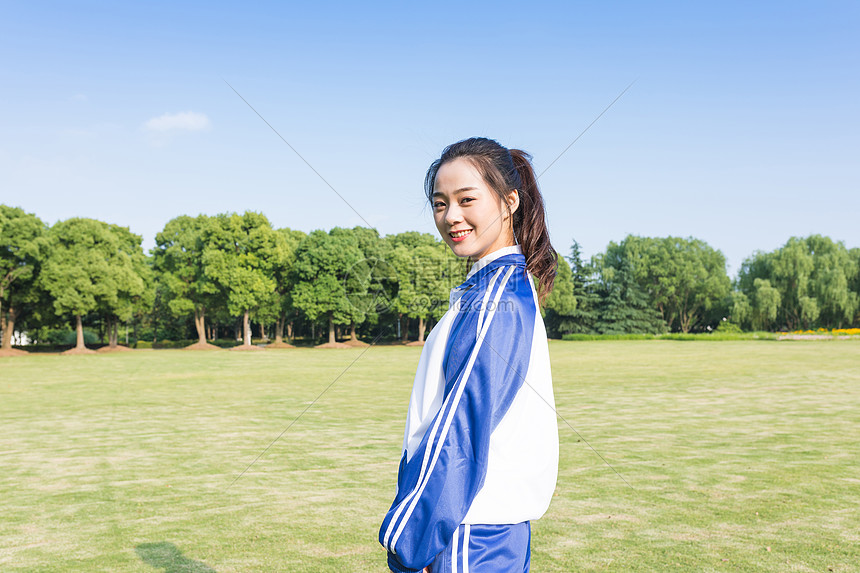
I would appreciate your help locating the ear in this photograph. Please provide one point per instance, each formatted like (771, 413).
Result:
(513, 200)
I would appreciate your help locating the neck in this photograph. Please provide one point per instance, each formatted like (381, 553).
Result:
(475, 258)
(487, 253)
(508, 241)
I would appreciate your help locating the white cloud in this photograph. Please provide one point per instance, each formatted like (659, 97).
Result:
(79, 97)
(182, 121)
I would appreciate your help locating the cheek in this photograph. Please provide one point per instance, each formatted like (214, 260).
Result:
(482, 217)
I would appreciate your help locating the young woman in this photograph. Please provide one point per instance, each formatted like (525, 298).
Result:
(480, 452)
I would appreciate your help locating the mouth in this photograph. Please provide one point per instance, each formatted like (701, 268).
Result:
(460, 235)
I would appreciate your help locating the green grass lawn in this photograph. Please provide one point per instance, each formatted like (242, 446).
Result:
(742, 456)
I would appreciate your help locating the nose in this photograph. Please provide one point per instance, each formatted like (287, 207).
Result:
(453, 215)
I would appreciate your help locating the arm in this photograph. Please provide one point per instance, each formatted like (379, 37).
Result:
(483, 372)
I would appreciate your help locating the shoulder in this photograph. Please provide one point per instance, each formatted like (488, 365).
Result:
(506, 289)
(499, 312)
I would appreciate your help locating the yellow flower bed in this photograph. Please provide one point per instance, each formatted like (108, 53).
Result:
(832, 332)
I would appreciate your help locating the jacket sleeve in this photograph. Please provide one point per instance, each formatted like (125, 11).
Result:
(487, 358)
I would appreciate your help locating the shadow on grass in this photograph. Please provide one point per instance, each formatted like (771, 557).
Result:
(167, 556)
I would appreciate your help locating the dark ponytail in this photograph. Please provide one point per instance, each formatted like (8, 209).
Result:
(503, 170)
(530, 227)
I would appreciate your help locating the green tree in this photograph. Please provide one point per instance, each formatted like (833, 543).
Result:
(322, 263)
(585, 314)
(684, 277)
(23, 250)
(423, 282)
(814, 277)
(790, 272)
(832, 275)
(560, 306)
(160, 323)
(422, 271)
(741, 308)
(127, 289)
(179, 263)
(854, 283)
(623, 307)
(440, 270)
(286, 244)
(450, 271)
(765, 304)
(78, 272)
(240, 255)
(754, 267)
(364, 281)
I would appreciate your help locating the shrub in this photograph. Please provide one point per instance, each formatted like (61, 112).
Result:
(729, 327)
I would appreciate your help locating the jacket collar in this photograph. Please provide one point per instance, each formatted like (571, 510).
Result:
(483, 267)
(490, 257)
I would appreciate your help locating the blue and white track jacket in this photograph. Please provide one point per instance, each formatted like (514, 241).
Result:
(481, 440)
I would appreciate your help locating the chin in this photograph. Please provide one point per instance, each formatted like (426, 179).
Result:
(457, 250)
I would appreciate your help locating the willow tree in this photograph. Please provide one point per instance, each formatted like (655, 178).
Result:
(791, 268)
(765, 305)
(814, 277)
(832, 276)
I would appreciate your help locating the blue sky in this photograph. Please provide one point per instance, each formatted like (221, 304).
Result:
(742, 127)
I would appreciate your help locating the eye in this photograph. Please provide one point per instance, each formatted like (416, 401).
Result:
(437, 204)
(468, 199)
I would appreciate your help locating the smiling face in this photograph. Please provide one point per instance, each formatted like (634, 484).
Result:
(462, 201)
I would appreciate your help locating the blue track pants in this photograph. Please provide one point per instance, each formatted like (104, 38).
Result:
(487, 549)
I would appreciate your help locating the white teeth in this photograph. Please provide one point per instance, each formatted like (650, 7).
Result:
(461, 234)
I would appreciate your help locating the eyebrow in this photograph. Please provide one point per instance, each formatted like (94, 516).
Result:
(458, 191)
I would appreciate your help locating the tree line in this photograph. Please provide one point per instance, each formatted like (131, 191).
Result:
(672, 284)
(214, 277)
